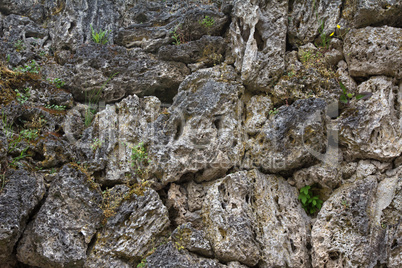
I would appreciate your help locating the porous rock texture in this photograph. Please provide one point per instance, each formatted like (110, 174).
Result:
(185, 138)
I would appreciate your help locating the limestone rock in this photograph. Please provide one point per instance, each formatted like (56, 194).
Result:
(294, 137)
(364, 13)
(306, 18)
(19, 196)
(99, 72)
(65, 224)
(374, 51)
(258, 41)
(208, 50)
(355, 226)
(200, 134)
(185, 236)
(168, 256)
(137, 226)
(233, 210)
(370, 128)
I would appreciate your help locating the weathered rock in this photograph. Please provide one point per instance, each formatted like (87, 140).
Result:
(137, 226)
(168, 256)
(234, 210)
(359, 224)
(374, 51)
(292, 138)
(99, 72)
(19, 196)
(371, 128)
(308, 17)
(185, 236)
(65, 224)
(258, 41)
(357, 14)
(200, 134)
(209, 50)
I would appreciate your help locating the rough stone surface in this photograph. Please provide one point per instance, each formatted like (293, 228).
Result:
(353, 227)
(234, 209)
(374, 51)
(132, 232)
(185, 236)
(372, 13)
(98, 72)
(371, 128)
(306, 18)
(258, 40)
(168, 256)
(291, 138)
(65, 224)
(19, 197)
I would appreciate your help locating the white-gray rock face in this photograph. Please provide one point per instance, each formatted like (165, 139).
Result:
(132, 232)
(371, 128)
(64, 226)
(360, 225)
(255, 218)
(258, 41)
(374, 51)
(306, 18)
(19, 195)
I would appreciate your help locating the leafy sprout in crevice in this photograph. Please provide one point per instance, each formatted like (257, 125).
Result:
(346, 96)
(100, 37)
(310, 203)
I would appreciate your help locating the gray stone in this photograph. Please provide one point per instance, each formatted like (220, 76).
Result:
(359, 225)
(137, 226)
(168, 256)
(66, 223)
(292, 138)
(234, 209)
(306, 18)
(357, 14)
(258, 41)
(370, 128)
(19, 196)
(185, 236)
(374, 51)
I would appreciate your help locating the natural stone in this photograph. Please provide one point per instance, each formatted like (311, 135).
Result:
(185, 236)
(234, 207)
(20, 194)
(65, 224)
(370, 128)
(258, 41)
(137, 226)
(374, 51)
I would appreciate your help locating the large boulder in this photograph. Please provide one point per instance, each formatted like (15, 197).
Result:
(258, 41)
(135, 227)
(20, 194)
(374, 51)
(309, 18)
(60, 233)
(255, 218)
(371, 128)
(360, 224)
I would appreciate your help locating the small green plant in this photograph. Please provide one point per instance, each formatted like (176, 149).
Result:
(101, 37)
(42, 53)
(96, 144)
(207, 22)
(273, 111)
(56, 107)
(16, 160)
(57, 82)
(31, 67)
(92, 98)
(19, 45)
(325, 39)
(178, 35)
(310, 203)
(142, 264)
(29, 134)
(23, 97)
(346, 97)
(8, 58)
